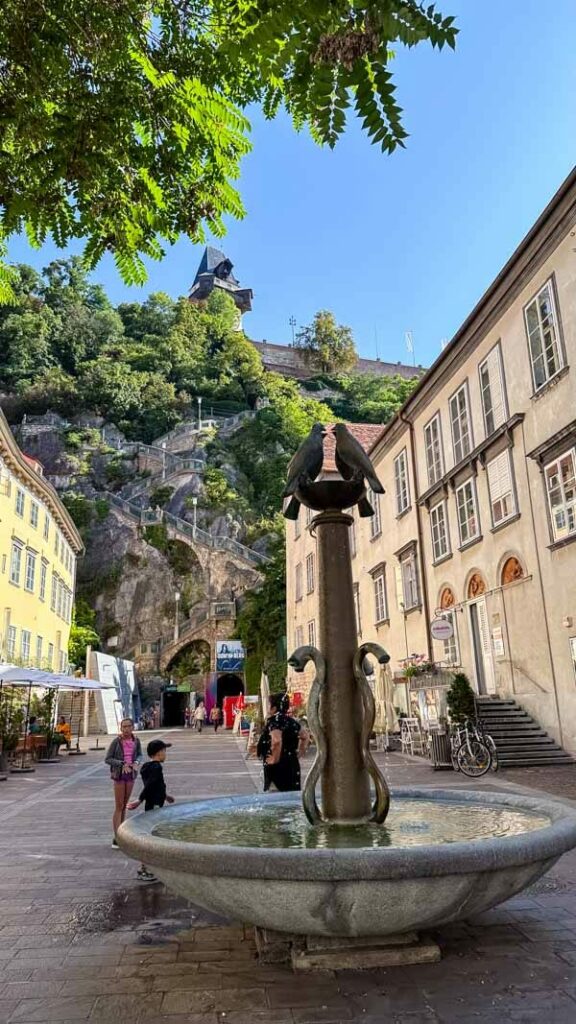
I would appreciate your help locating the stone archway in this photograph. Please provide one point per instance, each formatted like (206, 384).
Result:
(512, 570)
(476, 586)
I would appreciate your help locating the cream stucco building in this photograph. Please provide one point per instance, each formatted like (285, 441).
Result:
(478, 523)
(39, 545)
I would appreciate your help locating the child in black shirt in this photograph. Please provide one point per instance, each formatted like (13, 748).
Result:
(154, 793)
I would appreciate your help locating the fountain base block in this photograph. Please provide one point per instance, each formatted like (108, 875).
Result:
(324, 953)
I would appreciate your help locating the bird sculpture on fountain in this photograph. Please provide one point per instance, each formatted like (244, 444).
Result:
(304, 467)
(352, 461)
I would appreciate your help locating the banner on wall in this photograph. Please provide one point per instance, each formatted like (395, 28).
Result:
(230, 656)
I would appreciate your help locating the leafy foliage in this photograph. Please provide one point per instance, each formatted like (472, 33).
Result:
(262, 620)
(368, 398)
(460, 699)
(83, 633)
(326, 345)
(123, 120)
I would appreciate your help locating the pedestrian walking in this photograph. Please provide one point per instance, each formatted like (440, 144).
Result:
(154, 794)
(187, 716)
(282, 742)
(123, 757)
(200, 716)
(216, 717)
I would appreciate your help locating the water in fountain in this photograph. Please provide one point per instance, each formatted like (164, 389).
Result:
(410, 823)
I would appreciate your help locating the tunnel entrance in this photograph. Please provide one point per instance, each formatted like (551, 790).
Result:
(173, 707)
(228, 685)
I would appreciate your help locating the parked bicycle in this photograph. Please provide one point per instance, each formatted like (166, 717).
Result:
(486, 738)
(469, 750)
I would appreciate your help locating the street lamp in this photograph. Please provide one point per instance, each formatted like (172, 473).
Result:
(292, 322)
(177, 596)
(163, 460)
(199, 400)
(194, 513)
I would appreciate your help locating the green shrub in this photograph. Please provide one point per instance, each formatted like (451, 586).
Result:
(461, 699)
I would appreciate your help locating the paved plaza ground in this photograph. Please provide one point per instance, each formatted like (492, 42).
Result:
(82, 940)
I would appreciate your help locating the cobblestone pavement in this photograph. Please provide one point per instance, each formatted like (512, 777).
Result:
(81, 940)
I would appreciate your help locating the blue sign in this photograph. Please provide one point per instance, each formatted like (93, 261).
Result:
(230, 656)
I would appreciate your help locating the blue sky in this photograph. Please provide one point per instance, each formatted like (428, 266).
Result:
(407, 242)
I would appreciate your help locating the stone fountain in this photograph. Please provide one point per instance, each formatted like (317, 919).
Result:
(360, 877)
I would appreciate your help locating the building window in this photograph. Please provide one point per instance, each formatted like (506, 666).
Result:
(299, 636)
(39, 642)
(434, 454)
(62, 661)
(561, 489)
(439, 530)
(375, 521)
(468, 523)
(502, 500)
(30, 575)
(11, 643)
(451, 648)
(43, 572)
(54, 591)
(20, 499)
(543, 337)
(34, 514)
(60, 599)
(25, 637)
(56, 542)
(308, 516)
(310, 574)
(492, 391)
(50, 658)
(299, 581)
(46, 526)
(312, 633)
(460, 421)
(410, 587)
(15, 563)
(357, 609)
(380, 603)
(297, 528)
(401, 482)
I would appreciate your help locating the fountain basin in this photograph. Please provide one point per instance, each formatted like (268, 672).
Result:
(366, 890)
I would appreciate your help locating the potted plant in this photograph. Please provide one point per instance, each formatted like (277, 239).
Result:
(11, 727)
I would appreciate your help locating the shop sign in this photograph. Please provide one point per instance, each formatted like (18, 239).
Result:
(230, 656)
(442, 629)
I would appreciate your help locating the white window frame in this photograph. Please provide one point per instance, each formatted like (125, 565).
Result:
(312, 633)
(299, 636)
(34, 513)
(39, 643)
(434, 450)
(376, 519)
(493, 390)
(466, 495)
(461, 424)
(310, 573)
(63, 660)
(46, 533)
(56, 541)
(380, 597)
(543, 351)
(451, 646)
(439, 530)
(357, 608)
(297, 527)
(501, 488)
(43, 577)
(25, 645)
(309, 515)
(11, 638)
(408, 562)
(50, 656)
(16, 562)
(402, 482)
(563, 514)
(30, 571)
(20, 502)
(298, 587)
(54, 592)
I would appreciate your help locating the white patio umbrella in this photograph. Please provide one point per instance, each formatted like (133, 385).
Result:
(77, 684)
(265, 694)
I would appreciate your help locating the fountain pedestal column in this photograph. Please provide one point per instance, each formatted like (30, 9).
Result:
(345, 782)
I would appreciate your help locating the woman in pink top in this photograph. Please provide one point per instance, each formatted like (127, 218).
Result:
(124, 755)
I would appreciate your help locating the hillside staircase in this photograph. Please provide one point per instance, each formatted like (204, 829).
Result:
(71, 705)
(520, 741)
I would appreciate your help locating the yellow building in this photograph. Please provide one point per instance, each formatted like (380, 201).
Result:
(39, 545)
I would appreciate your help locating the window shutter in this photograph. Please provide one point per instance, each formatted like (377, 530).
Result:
(399, 586)
(496, 387)
(499, 476)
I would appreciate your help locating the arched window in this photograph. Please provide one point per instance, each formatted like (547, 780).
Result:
(447, 607)
(447, 599)
(476, 586)
(511, 570)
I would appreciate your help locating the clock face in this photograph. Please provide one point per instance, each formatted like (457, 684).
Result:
(223, 269)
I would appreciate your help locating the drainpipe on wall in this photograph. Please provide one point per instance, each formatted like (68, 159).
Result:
(423, 578)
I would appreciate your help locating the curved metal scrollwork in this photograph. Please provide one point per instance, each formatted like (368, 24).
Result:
(298, 662)
(381, 804)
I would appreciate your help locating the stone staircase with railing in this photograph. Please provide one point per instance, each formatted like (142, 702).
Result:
(520, 741)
